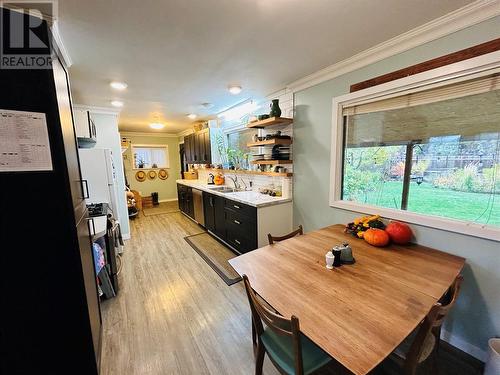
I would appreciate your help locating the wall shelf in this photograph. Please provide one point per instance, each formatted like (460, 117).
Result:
(271, 142)
(241, 171)
(270, 122)
(272, 162)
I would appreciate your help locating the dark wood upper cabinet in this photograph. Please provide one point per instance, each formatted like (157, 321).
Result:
(197, 147)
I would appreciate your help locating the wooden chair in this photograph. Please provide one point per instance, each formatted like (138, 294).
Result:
(290, 351)
(425, 340)
(273, 239)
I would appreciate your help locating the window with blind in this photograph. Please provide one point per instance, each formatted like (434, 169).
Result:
(150, 156)
(432, 152)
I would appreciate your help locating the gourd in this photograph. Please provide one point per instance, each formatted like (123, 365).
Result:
(399, 233)
(376, 237)
(219, 179)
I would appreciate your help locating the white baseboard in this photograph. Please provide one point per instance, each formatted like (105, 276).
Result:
(126, 236)
(464, 346)
(167, 200)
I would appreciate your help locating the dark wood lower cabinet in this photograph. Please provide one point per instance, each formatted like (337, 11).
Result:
(215, 221)
(185, 199)
(231, 221)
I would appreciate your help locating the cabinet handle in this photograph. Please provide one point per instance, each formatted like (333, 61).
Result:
(235, 206)
(89, 220)
(90, 125)
(86, 194)
(238, 242)
(236, 222)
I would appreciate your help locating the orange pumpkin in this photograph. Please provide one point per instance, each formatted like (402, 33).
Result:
(219, 179)
(376, 237)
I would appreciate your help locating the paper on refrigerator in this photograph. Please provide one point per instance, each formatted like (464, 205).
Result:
(24, 142)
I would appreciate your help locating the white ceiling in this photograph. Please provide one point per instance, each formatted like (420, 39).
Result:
(177, 54)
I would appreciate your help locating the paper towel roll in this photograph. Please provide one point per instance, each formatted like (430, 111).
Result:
(286, 187)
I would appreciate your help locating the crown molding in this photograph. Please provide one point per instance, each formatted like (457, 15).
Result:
(185, 132)
(147, 134)
(457, 20)
(97, 110)
(57, 38)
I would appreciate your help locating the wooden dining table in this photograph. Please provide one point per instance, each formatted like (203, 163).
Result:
(357, 313)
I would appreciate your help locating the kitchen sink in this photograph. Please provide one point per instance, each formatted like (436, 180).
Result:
(223, 189)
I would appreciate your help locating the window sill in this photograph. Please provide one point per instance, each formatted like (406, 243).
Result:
(451, 225)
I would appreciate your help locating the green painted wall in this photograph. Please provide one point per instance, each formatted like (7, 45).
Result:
(167, 189)
(477, 314)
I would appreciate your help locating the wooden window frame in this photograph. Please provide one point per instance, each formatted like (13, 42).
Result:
(453, 73)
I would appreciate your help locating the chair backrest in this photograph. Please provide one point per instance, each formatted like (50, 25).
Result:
(272, 239)
(433, 320)
(277, 323)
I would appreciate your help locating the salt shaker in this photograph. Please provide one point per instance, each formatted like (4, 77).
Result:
(330, 258)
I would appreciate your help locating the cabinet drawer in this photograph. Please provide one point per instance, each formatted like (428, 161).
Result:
(239, 242)
(240, 208)
(241, 224)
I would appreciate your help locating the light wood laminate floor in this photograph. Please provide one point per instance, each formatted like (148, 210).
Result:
(174, 314)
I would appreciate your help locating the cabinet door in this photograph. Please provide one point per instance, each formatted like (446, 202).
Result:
(181, 197)
(189, 205)
(207, 145)
(220, 217)
(82, 124)
(209, 211)
(200, 147)
(187, 149)
(90, 280)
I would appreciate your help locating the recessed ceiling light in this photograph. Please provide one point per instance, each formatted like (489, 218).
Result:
(192, 116)
(235, 90)
(207, 105)
(118, 85)
(117, 103)
(156, 125)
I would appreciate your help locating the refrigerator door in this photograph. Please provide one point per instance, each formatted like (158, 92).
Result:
(112, 186)
(94, 165)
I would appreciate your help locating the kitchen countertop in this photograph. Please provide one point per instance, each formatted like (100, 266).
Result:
(252, 198)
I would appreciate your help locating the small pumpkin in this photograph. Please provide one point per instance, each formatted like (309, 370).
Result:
(219, 179)
(399, 233)
(376, 237)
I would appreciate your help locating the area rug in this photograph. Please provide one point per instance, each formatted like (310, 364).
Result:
(162, 208)
(215, 254)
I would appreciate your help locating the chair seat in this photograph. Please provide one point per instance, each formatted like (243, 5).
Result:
(428, 346)
(280, 349)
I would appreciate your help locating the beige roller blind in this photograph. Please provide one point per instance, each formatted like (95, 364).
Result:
(458, 90)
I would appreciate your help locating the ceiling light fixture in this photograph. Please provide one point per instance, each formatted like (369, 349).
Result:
(192, 116)
(117, 103)
(206, 105)
(120, 86)
(235, 90)
(156, 125)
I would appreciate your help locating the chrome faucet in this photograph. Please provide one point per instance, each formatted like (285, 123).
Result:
(244, 183)
(237, 185)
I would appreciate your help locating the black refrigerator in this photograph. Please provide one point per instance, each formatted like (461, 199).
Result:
(50, 318)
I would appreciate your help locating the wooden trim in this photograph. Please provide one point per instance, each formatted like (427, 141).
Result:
(468, 53)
